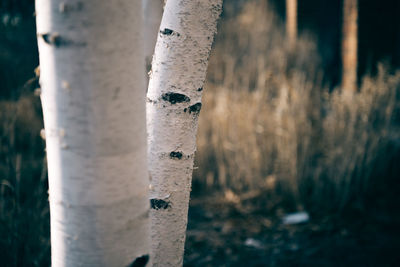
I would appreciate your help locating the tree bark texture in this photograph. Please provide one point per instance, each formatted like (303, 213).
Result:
(349, 45)
(93, 98)
(291, 22)
(173, 105)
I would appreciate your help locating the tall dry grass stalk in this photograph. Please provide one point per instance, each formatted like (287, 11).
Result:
(267, 118)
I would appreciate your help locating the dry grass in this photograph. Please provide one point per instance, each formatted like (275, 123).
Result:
(268, 122)
(24, 211)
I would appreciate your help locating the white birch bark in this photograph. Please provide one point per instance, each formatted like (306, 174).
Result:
(153, 10)
(93, 98)
(173, 105)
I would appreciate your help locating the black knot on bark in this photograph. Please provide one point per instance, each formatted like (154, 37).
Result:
(200, 89)
(158, 204)
(167, 31)
(175, 154)
(140, 261)
(195, 108)
(174, 98)
(51, 38)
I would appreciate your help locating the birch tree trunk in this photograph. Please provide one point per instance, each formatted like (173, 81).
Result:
(291, 22)
(93, 98)
(173, 105)
(153, 10)
(349, 45)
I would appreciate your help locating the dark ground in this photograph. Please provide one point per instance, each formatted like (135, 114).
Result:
(228, 232)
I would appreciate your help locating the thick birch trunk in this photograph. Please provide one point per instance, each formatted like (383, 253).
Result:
(93, 98)
(291, 22)
(173, 106)
(153, 10)
(349, 45)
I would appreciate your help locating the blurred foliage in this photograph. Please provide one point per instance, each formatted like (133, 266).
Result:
(268, 120)
(24, 211)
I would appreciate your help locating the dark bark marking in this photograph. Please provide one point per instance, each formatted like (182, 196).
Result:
(194, 108)
(174, 98)
(56, 40)
(175, 154)
(51, 38)
(167, 31)
(151, 101)
(140, 261)
(200, 89)
(158, 204)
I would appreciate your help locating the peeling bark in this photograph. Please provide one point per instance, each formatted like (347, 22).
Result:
(93, 98)
(174, 102)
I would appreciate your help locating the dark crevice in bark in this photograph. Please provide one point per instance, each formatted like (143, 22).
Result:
(194, 108)
(140, 261)
(158, 204)
(58, 41)
(174, 98)
(167, 31)
(175, 155)
(51, 38)
(200, 89)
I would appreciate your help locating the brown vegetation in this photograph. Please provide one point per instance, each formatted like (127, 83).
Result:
(267, 119)
(24, 210)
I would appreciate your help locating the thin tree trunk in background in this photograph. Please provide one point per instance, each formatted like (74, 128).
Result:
(153, 10)
(349, 45)
(291, 22)
(173, 105)
(93, 99)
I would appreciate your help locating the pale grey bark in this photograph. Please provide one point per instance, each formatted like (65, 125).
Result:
(93, 97)
(173, 105)
(153, 10)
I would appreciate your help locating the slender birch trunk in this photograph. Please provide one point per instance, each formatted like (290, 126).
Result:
(349, 45)
(291, 22)
(93, 98)
(173, 105)
(153, 10)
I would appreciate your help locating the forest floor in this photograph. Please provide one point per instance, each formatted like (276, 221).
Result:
(225, 230)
